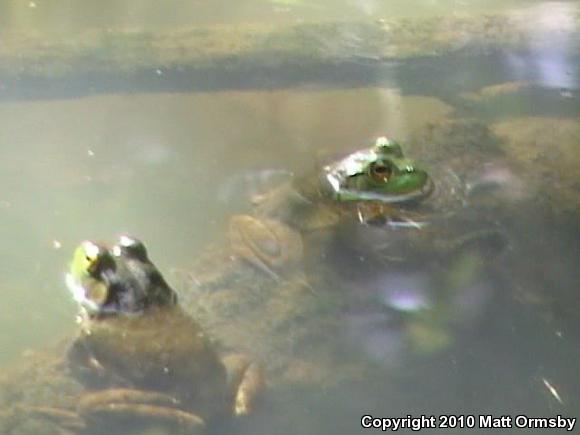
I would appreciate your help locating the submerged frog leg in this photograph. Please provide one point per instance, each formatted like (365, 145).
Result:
(246, 380)
(249, 389)
(263, 267)
(138, 405)
(141, 412)
(87, 369)
(62, 417)
(269, 245)
(126, 395)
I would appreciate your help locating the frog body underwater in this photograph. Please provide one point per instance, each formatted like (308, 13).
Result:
(371, 181)
(316, 246)
(370, 191)
(282, 316)
(141, 359)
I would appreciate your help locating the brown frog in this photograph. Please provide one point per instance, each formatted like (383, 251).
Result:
(140, 357)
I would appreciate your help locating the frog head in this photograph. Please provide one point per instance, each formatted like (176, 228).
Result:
(117, 280)
(381, 173)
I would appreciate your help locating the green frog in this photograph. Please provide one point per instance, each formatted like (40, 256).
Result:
(267, 269)
(372, 199)
(140, 358)
(366, 183)
(254, 295)
(318, 247)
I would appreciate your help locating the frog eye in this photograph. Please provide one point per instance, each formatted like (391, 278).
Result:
(130, 247)
(381, 171)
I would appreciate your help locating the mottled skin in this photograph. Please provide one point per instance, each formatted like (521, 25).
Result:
(381, 196)
(264, 280)
(138, 356)
(261, 277)
(379, 187)
(381, 174)
(293, 320)
(298, 309)
(286, 218)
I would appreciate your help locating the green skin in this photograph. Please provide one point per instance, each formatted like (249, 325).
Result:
(380, 175)
(116, 286)
(259, 274)
(243, 308)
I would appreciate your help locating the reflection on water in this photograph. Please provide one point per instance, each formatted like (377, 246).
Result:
(474, 312)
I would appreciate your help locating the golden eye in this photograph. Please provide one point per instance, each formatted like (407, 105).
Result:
(381, 171)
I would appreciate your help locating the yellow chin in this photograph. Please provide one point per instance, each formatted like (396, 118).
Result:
(91, 294)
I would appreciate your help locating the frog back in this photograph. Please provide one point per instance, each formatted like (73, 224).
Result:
(165, 350)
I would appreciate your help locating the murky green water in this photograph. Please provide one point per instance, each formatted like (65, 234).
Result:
(163, 157)
(68, 16)
(166, 167)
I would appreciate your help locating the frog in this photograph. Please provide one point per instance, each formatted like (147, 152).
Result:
(140, 358)
(352, 229)
(372, 181)
(374, 187)
(273, 252)
(443, 250)
(379, 174)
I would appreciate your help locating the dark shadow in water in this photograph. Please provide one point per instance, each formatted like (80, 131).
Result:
(445, 77)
